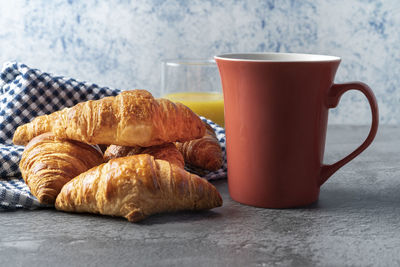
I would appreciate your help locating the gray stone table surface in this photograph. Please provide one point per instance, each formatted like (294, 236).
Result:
(355, 222)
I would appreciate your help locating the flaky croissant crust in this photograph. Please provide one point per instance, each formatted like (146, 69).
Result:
(135, 187)
(167, 152)
(133, 118)
(205, 152)
(48, 163)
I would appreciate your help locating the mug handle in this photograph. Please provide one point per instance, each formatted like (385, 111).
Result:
(335, 92)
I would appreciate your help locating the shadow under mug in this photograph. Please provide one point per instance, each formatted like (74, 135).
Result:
(276, 114)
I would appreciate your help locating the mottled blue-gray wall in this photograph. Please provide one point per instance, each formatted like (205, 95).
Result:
(120, 43)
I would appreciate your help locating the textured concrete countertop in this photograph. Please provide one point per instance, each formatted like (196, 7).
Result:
(355, 222)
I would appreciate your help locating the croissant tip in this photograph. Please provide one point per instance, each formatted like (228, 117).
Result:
(135, 216)
(46, 199)
(219, 201)
(17, 139)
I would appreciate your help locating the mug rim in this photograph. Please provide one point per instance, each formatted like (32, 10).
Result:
(276, 57)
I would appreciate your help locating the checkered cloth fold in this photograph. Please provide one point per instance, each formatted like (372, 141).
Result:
(27, 93)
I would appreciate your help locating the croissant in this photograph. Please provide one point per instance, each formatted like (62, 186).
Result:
(205, 152)
(136, 187)
(47, 164)
(133, 118)
(167, 152)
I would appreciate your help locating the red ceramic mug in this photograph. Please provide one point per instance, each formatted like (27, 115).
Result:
(276, 114)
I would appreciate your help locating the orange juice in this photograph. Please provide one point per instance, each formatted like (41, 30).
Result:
(206, 104)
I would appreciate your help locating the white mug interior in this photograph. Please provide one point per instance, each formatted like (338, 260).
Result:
(276, 57)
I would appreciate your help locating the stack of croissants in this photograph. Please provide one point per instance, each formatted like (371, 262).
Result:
(120, 156)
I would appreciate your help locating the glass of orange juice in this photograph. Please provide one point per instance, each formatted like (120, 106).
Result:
(196, 84)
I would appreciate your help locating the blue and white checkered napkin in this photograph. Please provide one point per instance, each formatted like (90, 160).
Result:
(27, 93)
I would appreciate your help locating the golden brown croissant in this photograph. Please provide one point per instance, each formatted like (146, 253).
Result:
(167, 152)
(135, 187)
(133, 118)
(205, 152)
(47, 164)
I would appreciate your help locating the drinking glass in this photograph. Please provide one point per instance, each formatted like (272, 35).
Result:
(196, 84)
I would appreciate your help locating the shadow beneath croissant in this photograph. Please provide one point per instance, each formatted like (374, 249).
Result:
(180, 216)
(160, 218)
